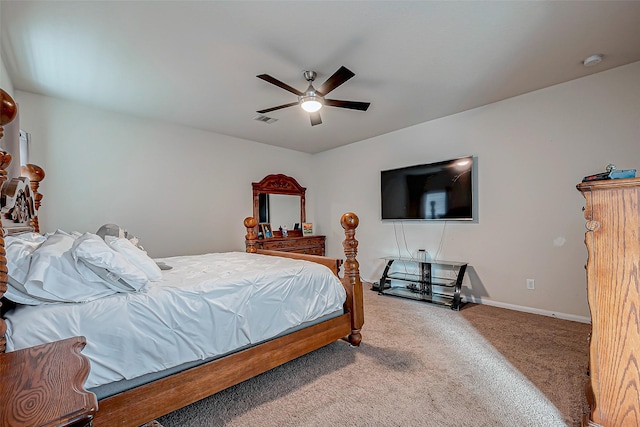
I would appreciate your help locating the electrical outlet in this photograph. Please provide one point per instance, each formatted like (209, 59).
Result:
(531, 284)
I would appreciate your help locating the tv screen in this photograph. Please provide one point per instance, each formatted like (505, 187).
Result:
(434, 191)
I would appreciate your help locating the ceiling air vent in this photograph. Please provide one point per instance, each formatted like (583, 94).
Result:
(265, 119)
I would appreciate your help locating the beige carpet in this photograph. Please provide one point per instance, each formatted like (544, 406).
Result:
(419, 365)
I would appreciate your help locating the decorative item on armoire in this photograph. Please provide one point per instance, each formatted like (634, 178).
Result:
(307, 229)
(266, 230)
(611, 173)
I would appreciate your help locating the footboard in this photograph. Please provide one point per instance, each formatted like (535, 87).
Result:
(332, 263)
(351, 280)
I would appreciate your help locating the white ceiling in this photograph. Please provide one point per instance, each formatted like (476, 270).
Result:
(195, 63)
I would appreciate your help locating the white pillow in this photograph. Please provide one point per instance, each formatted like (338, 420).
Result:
(19, 249)
(16, 292)
(91, 252)
(136, 256)
(53, 276)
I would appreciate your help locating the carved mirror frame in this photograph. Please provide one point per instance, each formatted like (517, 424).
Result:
(278, 184)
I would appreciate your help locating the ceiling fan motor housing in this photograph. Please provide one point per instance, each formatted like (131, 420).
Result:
(310, 100)
(310, 75)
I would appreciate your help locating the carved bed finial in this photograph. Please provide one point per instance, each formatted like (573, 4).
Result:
(8, 110)
(251, 237)
(349, 222)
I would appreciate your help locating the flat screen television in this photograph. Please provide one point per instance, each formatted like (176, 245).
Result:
(433, 191)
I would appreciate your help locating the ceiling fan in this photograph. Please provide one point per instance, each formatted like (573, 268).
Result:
(312, 100)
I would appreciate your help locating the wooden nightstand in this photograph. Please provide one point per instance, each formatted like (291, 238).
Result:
(43, 386)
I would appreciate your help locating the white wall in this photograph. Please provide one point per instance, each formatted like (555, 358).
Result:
(5, 80)
(10, 140)
(180, 190)
(531, 152)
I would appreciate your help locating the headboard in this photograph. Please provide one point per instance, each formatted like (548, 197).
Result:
(19, 198)
(19, 203)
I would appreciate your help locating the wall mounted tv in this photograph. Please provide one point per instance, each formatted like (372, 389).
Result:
(434, 191)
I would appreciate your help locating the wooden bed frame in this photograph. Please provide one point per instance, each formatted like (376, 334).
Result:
(144, 403)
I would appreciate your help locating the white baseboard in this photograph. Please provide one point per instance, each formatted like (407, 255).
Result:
(564, 316)
(470, 298)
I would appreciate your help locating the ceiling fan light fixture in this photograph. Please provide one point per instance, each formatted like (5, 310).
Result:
(311, 104)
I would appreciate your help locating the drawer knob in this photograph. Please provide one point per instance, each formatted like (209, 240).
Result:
(592, 225)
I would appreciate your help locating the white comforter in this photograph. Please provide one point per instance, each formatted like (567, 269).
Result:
(206, 305)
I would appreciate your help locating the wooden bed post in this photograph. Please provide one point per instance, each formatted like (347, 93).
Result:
(5, 160)
(36, 175)
(251, 237)
(351, 280)
(8, 112)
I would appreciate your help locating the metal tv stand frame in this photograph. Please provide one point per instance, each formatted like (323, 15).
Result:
(421, 286)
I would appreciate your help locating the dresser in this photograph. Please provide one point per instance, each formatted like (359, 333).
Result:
(311, 245)
(612, 211)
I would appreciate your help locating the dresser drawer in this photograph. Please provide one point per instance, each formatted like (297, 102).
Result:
(313, 245)
(309, 251)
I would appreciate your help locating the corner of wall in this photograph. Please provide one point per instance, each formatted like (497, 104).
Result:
(5, 80)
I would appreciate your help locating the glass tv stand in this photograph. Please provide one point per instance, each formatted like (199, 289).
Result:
(437, 282)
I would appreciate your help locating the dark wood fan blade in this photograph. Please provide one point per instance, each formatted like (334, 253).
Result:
(339, 77)
(291, 104)
(354, 105)
(274, 81)
(315, 118)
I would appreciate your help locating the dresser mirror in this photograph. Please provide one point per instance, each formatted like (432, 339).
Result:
(279, 200)
(281, 210)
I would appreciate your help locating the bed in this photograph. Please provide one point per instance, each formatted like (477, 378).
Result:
(257, 345)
